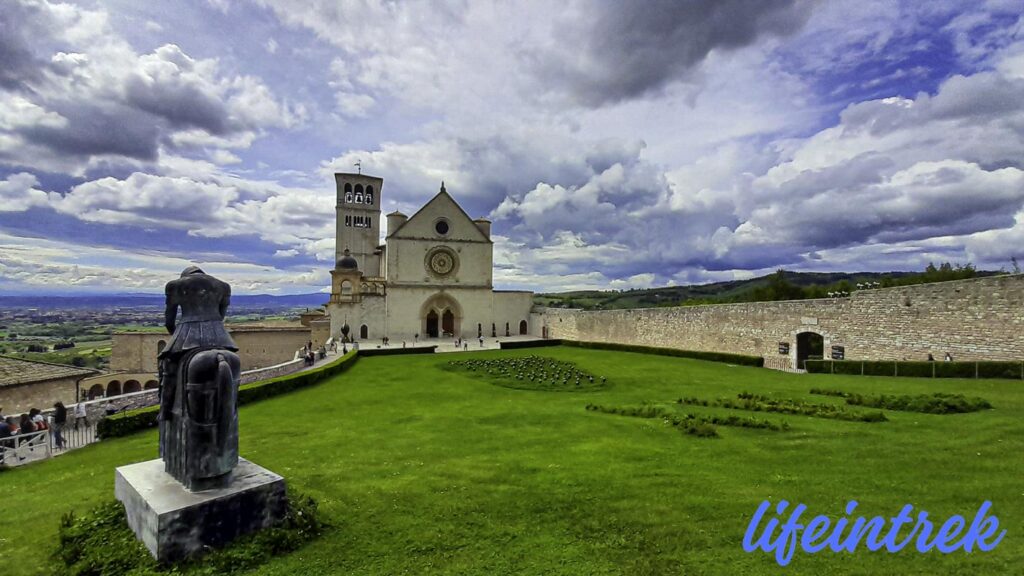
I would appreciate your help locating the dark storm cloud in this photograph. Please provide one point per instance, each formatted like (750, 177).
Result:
(95, 131)
(18, 27)
(180, 105)
(627, 49)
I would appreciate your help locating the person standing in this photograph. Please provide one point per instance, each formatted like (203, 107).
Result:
(949, 357)
(81, 416)
(60, 419)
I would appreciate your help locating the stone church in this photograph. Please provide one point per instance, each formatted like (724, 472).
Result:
(431, 277)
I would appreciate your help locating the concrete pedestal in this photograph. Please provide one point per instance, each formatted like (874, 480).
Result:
(174, 523)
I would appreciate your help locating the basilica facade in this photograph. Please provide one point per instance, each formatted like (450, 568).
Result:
(432, 277)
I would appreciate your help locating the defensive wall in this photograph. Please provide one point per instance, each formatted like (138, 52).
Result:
(976, 319)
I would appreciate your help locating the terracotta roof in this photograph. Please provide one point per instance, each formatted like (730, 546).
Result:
(15, 371)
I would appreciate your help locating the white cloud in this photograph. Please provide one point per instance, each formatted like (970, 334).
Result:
(18, 193)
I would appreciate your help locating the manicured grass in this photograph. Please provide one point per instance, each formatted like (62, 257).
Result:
(422, 470)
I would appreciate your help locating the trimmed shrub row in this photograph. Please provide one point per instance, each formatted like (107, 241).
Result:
(648, 411)
(991, 369)
(396, 351)
(937, 403)
(739, 359)
(755, 403)
(691, 426)
(529, 344)
(132, 421)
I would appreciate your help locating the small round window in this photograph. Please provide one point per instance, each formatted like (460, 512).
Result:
(441, 227)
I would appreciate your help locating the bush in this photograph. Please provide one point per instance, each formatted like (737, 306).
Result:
(528, 344)
(135, 420)
(879, 368)
(916, 369)
(937, 403)
(724, 357)
(1007, 370)
(955, 370)
(818, 366)
(847, 367)
(396, 351)
(756, 403)
(100, 542)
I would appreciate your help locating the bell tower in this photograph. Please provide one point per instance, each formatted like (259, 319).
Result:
(358, 225)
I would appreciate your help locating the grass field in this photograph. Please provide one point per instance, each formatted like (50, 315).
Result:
(423, 470)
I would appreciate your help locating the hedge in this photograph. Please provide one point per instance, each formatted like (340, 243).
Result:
(132, 421)
(529, 344)
(396, 351)
(1005, 370)
(740, 359)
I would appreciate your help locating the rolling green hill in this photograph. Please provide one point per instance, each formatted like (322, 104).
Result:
(781, 285)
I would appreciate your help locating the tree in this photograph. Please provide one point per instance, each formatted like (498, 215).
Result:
(78, 361)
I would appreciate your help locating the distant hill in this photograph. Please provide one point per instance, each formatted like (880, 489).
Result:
(808, 285)
(148, 300)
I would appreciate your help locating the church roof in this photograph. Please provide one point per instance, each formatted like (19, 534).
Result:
(442, 194)
(15, 371)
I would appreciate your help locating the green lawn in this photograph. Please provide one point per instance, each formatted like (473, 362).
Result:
(423, 470)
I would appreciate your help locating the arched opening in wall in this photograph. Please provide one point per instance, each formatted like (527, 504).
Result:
(440, 314)
(364, 332)
(346, 288)
(348, 187)
(114, 388)
(359, 189)
(96, 391)
(506, 330)
(494, 330)
(151, 385)
(448, 323)
(132, 386)
(432, 324)
(160, 346)
(809, 346)
(522, 328)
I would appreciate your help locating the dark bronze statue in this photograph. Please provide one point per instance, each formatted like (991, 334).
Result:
(199, 376)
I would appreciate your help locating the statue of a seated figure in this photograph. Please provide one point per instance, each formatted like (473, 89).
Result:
(199, 376)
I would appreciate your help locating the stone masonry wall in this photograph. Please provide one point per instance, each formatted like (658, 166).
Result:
(977, 319)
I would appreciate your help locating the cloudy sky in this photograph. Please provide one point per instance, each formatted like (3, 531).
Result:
(613, 144)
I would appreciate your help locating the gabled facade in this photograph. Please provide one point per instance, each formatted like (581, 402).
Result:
(433, 277)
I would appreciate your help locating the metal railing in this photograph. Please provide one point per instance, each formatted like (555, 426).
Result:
(25, 448)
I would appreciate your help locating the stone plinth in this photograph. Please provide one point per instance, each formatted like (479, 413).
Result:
(174, 523)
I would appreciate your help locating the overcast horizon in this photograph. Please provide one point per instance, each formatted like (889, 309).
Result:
(615, 145)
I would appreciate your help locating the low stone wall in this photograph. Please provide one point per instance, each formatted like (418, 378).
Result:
(272, 371)
(977, 319)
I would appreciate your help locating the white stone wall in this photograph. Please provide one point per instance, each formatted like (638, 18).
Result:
(977, 319)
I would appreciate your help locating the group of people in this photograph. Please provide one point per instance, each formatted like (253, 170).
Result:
(310, 356)
(16, 431)
(948, 358)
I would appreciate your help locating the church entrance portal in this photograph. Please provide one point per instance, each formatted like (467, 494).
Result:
(809, 346)
(432, 324)
(441, 315)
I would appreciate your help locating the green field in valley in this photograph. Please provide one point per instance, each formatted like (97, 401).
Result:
(424, 469)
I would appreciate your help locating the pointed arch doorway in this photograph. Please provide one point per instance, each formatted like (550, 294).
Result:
(441, 315)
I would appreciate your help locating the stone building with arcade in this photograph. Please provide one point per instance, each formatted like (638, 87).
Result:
(432, 276)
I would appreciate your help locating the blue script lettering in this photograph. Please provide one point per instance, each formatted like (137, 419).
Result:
(784, 537)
